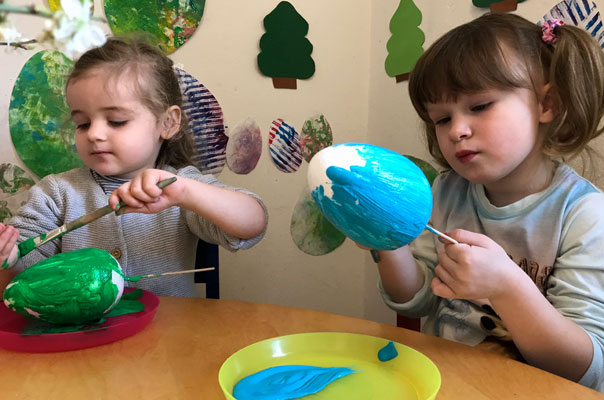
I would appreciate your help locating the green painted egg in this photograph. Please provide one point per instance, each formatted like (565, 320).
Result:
(69, 288)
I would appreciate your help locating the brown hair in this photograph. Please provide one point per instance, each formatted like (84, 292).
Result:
(156, 85)
(476, 56)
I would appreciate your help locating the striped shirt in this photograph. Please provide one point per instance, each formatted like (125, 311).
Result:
(142, 243)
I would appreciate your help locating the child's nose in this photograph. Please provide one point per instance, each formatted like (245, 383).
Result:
(460, 129)
(96, 132)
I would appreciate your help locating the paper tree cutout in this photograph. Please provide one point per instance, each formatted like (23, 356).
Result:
(583, 14)
(405, 45)
(284, 49)
(497, 6)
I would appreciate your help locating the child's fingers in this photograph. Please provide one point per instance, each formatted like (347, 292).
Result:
(8, 239)
(142, 191)
(470, 238)
(444, 275)
(439, 288)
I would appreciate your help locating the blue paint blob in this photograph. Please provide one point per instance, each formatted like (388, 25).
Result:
(382, 200)
(287, 382)
(387, 352)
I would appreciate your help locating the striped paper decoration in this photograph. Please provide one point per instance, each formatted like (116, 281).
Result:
(581, 13)
(205, 122)
(284, 146)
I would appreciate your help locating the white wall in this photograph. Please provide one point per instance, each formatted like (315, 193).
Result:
(350, 87)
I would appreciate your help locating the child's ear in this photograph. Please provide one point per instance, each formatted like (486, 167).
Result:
(548, 104)
(170, 122)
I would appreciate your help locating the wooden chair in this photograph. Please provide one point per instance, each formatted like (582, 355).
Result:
(207, 256)
(408, 323)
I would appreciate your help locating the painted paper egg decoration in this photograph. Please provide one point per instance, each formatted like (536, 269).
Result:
(375, 196)
(68, 288)
(284, 146)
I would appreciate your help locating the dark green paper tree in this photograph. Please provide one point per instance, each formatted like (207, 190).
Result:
(284, 49)
(497, 6)
(405, 45)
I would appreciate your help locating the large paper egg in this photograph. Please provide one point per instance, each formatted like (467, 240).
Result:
(68, 288)
(375, 196)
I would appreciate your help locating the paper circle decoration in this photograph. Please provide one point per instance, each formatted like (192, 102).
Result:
(311, 231)
(244, 147)
(14, 187)
(170, 22)
(373, 195)
(316, 135)
(205, 122)
(284, 146)
(39, 121)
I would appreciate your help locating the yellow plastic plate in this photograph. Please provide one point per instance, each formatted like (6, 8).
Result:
(409, 376)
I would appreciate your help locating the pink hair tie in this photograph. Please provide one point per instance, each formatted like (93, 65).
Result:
(547, 28)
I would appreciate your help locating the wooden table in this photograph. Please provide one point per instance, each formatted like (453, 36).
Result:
(179, 354)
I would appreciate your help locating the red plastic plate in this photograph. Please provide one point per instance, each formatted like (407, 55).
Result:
(113, 329)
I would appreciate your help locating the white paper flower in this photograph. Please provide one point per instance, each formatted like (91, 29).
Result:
(72, 28)
(9, 34)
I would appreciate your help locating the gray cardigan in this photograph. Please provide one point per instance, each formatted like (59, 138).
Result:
(143, 243)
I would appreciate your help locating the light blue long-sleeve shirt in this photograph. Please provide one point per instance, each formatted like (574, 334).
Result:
(556, 236)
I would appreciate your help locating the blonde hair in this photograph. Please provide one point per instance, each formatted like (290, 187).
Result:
(504, 51)
(155, 81)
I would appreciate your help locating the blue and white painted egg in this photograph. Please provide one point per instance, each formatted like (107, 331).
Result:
(375, 196)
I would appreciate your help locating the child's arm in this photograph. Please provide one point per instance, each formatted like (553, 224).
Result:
(400, 274)
(236, 213)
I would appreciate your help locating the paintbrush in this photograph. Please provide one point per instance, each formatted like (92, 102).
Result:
(32, 243)
(188, 271)
(376, 256)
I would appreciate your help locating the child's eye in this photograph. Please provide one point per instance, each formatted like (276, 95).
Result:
(481, 107)
(442, 121)
(117, 124)
(84, 126)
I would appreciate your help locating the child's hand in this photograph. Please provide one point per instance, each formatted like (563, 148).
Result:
(8, 241)
(142, 195)
(476, 268)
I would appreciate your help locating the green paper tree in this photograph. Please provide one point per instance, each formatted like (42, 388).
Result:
(497, 6)
(284, 49)
(405, 45)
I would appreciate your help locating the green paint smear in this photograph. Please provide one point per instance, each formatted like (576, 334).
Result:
(39, 116)
(28, 245)
(128, 304)
(169, 22)
(67, 288)
(311, 231)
